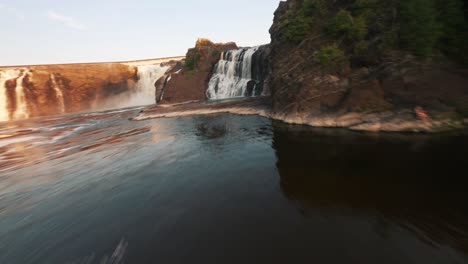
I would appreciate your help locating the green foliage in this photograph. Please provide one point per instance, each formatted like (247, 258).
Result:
(330, 55)
(359, 30)
(454, 36)
(343, 24)
(361, 48)
(297, 29)
(434, 24)
(420, 29)
(192, 60)
(366, 30)
(300, 23)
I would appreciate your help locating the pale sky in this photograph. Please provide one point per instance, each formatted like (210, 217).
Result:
(61, 31)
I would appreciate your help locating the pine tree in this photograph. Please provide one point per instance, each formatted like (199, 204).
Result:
(453, 25)
(420, 29)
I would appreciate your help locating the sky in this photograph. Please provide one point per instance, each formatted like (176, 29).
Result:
(62, 31)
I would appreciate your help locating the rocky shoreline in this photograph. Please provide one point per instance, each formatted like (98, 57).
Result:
(404, 120)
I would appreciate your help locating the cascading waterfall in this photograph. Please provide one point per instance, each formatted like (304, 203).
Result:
(233, 75)
(142, 93)
(58, 89)
(58, 93)
(4, 77)
(145, 93)
(21, 103)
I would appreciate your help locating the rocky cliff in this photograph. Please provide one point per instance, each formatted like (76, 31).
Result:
(31, 91)
(189, 81)
(345, 63)
(43, 90)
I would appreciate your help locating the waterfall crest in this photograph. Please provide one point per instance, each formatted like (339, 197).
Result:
(233, 75)
(146, 87)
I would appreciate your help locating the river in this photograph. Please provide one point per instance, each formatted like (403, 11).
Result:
(99, 188)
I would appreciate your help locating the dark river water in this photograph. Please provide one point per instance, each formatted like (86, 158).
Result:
(98, 188)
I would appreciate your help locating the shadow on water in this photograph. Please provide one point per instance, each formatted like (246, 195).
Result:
(98, 188)
(416, 181)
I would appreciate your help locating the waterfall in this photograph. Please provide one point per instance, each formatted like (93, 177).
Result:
(58, 89)
(21, 103)
(233, 75)
(58, 93)
(145, 93)
(4, 77)
(140, 94)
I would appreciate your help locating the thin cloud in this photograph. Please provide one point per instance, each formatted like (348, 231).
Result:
(65, 20)
(13, 11)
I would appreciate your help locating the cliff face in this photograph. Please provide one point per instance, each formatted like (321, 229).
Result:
(188, 82)
(332, 58)
(54, 89)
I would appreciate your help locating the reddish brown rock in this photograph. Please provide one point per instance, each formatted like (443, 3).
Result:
(303, 88)
(55, 89)
(191, 82)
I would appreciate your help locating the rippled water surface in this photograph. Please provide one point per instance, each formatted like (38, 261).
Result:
(98, 188)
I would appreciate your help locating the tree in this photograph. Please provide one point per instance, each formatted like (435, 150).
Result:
(420, 30)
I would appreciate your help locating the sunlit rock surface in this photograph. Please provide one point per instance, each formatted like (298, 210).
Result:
(30, 91)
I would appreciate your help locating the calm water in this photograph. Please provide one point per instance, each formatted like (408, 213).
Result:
(98, 188)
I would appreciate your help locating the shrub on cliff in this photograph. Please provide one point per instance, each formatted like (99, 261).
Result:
(299, 23)
(367, 29)
(420, 29)
(454, 28)
(192, 59)
(296, 27)
(345, 25)
(330, 56)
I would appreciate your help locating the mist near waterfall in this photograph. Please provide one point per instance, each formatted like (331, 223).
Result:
(33, 91)
(141, 93)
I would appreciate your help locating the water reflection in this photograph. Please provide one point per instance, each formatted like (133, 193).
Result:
(227, 189)
(212, 130)
(416, 182)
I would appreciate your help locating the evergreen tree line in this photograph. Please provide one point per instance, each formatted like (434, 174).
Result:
(427, 25)
(366, 29)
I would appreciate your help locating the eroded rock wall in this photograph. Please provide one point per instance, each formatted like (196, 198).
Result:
(317, 76)
(190, 81)
(54, 89)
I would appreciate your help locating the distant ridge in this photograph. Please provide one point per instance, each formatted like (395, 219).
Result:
(148, 61)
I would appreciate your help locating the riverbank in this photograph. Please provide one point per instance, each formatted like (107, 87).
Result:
(404, 120)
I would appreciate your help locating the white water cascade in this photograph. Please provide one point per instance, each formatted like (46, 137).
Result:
(58, 93)
(146, 89)
(232, 74)
(21, 109)
(143, 92)
(5, 75)
(55, 92)
(21, 103)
